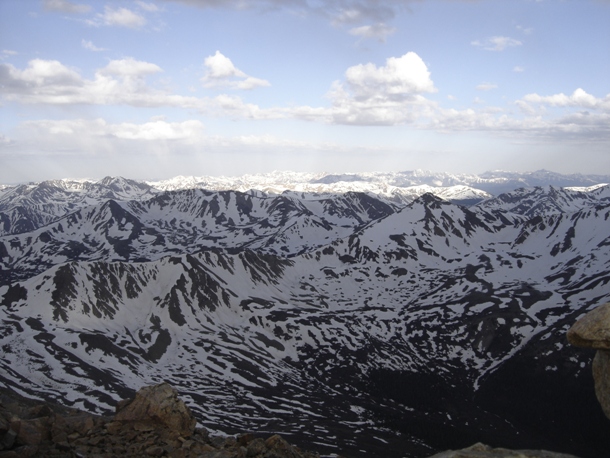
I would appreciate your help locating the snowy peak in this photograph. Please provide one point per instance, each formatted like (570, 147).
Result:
(546, 200)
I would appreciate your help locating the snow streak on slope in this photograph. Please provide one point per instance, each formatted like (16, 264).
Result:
(346, 321)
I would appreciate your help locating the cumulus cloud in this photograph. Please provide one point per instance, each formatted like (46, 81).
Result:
(121, 82)
(130, 67)
(90, 46)
(400, 78)
(580, 116)
(573, 126)
(496, 43)
(38, 76)
(379, 31)
(51, 82)
(121, 17)
(518, 69)
(65, 6)
(372, 95)
(157, 130)
(220, 72)
(579, 98)
(389, 94)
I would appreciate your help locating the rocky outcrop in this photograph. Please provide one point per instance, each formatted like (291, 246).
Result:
(158, 403)
(155, 423)
(484, 451)
(593, 331)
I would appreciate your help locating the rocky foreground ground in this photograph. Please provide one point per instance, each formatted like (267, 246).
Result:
(155, 423)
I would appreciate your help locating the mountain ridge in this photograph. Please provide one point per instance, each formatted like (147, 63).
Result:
(348, 320)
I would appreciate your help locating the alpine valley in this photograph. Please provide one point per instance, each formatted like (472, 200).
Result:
(380, 314)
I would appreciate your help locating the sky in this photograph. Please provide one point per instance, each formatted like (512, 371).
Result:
(159, 88)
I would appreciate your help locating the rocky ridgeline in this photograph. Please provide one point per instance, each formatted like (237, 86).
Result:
(155, 423)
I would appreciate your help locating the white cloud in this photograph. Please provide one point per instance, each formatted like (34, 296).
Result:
(576, 117)
(157, 130)
(150, 7)
(222, 73)
(122, 17)
(99, 128)
(130, 67)
(121, 82)
(496, 43)
(579, 98)
(486, 86)
(575, 126)
(390, 94)
(65, 6)
(525, 30)
(379, 31)
(90, 46)
(401, 78)
(518, 69)
(39, 75)
(220, 67)
(51, 82)
(371, 95)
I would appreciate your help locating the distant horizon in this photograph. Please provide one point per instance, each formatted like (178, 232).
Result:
(426, 172)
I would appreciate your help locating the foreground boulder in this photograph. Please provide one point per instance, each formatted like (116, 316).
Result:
(593, 331)
(158, 403)
(484, 451)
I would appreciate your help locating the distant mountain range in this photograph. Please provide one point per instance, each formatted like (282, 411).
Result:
(27, 206)
(357, 314)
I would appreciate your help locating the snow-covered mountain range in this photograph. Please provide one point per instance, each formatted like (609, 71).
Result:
(355, 321)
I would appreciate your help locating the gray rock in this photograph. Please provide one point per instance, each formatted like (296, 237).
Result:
(484, 451)
(592, 330)
(159, 403)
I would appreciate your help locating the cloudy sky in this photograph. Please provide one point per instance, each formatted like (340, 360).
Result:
(158, 88)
